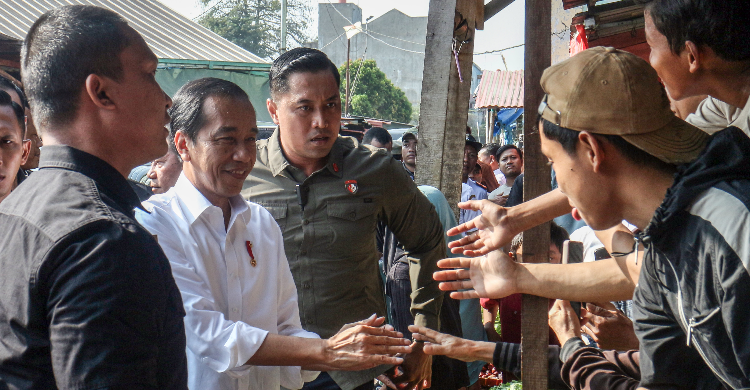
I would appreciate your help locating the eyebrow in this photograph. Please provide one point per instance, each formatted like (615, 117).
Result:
(300, 101)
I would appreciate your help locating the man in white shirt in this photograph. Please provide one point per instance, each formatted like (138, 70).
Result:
(242, 325)
(470, 190)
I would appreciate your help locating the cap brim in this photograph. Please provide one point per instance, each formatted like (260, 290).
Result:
(676, 143)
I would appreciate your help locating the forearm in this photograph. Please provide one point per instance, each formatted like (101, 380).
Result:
(604, 280)
(537, 211)
(619, 239)
(278, 350)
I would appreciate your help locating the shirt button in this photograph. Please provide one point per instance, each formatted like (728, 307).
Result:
(305, 222)
(353, 214)
(305, 285)
(303, 252)
(234, 310)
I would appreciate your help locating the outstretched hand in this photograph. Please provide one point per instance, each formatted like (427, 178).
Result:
(365, 344)
(492, 229)
(437, 343)
(491, 276)
(564, 321)
(609, 327)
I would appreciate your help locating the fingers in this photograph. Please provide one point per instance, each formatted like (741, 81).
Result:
(456, 262)
(387, 381)
(456, 286)
(468, 294)
(427, 333)
(462, 228)
(382, 331)
(607, 306)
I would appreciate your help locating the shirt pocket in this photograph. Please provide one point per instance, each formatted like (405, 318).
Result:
(278, 212)
(346, 221)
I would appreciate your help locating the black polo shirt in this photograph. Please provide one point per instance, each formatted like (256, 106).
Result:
(87, 297)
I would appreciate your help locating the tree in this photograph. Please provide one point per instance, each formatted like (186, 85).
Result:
(255, 25)
(373, 95)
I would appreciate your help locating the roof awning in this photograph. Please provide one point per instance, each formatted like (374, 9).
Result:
(500, 89)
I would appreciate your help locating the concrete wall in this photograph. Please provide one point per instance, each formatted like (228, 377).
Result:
(561, 30)
(403, 67)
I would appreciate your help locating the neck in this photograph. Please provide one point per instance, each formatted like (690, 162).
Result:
(640, 198)
(731, 84)
(464, 177)
(510, 180)
(221, 202)
(410, 167)
(90, 138)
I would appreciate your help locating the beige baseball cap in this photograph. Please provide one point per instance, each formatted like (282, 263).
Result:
(603, 90)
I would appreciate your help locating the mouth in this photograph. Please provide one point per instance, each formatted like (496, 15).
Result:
(320, 140)
(239, 174)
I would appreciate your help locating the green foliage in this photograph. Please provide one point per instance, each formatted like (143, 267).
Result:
(255, 25)
(373, 94)
(515, 385)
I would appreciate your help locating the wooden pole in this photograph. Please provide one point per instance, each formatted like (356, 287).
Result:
(348, 48)
(444, 106)
(283, 25)
(534, 328)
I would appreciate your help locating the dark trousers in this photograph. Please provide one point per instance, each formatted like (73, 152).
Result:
(324, 382)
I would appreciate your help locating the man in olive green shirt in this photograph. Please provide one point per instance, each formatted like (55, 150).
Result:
(327, 194)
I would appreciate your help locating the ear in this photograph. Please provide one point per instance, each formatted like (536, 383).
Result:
(98, 91)
(181, 143)
(695, 56)
(272, 109)
(26, 151)
(591, 150)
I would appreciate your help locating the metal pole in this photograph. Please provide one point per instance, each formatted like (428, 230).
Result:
(283, 26)
(348, 47)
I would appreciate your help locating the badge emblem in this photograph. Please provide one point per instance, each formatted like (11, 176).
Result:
(351, 186)
(249, 247)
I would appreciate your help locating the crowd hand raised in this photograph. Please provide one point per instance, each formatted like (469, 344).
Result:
(500, 200)
(416, 370)
(609, 327)
(491, 276)
(437, 343)
(564, 321)
(365, 344)
(491, 230)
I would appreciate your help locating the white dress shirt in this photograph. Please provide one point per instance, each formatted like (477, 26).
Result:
(231, 305)
(499, 176)
(470, 191)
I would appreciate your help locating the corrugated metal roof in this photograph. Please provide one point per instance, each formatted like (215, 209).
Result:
(167, 32)
(500, 89)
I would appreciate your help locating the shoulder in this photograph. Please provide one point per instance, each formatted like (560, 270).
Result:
(726, 208)
(160, 210)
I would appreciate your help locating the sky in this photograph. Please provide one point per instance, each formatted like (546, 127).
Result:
(506, 29)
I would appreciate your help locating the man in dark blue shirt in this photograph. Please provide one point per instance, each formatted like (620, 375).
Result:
(87, 297)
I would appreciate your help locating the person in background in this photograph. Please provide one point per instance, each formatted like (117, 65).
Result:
(470, 190)
(13, 88)
(12, 151)
(488, 177)
(510, 162)
(379, 138)
(487, 155)
(409, 152)
(88, 298)
(327, 194)
(165, 170)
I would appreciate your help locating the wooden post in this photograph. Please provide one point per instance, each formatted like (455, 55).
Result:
(444, 106)
(534, 328)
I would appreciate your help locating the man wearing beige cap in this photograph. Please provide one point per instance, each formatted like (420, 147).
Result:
(606, 124)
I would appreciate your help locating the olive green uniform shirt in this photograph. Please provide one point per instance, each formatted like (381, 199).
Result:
(330, 244)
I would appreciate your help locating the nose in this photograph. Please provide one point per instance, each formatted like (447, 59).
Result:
(168, 99)
(151, 172)
(245, 153)
(319, 120)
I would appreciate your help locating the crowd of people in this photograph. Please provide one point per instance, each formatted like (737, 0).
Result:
(310, 260)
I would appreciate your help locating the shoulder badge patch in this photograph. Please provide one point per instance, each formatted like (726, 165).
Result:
(351, 186)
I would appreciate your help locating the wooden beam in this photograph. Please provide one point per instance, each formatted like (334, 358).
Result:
(495, 6)
(444, 106)
(538, 56)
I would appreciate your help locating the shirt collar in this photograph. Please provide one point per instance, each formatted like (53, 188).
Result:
(107, 178)
(277, 162)
(196, 204)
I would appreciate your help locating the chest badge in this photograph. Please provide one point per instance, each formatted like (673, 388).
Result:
(351, 186)
(249, 247)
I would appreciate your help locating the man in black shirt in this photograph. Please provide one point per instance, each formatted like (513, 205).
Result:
(87, 297)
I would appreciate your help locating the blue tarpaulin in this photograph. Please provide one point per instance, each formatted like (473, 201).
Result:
(506, 122)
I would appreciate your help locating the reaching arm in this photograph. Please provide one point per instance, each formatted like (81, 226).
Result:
(497, 275)
(498, 225)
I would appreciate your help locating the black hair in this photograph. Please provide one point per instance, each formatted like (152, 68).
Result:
(503, 148)
(301, 59)
(558, 235)
(721, 25)
(7, 100)
(377, 133)
(187, 103)
(6, 83)
(63, 47)
(490, 149)
(569, 140)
